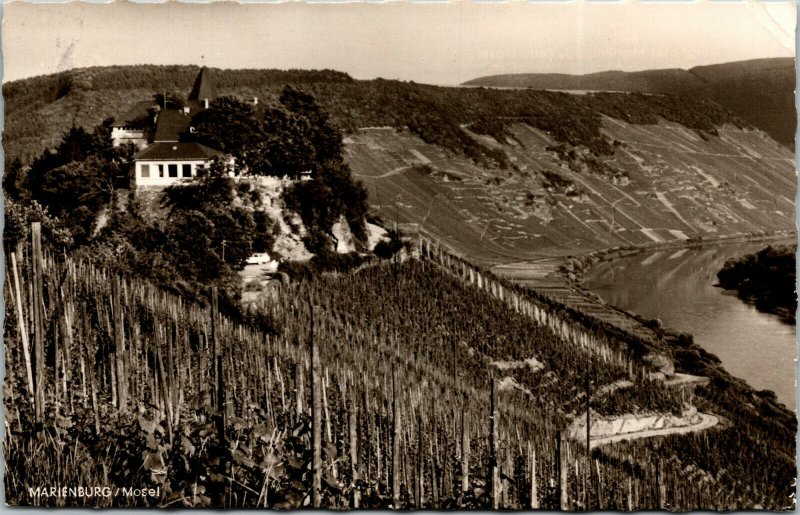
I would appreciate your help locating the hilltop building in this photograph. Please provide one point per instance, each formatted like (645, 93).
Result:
(166, 157)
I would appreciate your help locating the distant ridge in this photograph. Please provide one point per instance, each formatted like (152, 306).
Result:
(760, 91)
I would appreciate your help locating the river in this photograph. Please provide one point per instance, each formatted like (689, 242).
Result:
(677, 286)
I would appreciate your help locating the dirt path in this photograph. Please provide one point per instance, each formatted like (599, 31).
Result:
(706, 421)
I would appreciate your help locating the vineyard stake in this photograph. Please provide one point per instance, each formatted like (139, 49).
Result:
(22, 326)
(464, 452)
(561, 451)
(661, 491)
(316, 413)
(395, 443)
(419, 495)
(534, 505)
(299, 390)
(494, 473)
(588, 471)
(38, 322)
(219, 393)
(353, 423)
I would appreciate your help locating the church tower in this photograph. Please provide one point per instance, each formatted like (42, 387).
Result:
(203, 90)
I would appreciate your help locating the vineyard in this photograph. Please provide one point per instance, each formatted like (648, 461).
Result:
(420, 384)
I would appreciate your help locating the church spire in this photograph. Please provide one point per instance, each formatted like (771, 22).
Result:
(203, 87)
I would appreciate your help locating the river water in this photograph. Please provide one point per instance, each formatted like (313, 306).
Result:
(677, 287)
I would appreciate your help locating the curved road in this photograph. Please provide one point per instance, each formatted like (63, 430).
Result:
(706, 421)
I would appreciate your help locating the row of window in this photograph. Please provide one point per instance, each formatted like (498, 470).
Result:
(171, 170)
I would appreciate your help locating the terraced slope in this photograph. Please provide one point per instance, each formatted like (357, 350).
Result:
(664, 183)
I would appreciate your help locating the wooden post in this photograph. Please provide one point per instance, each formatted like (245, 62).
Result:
(630, 495)
(419, 494)
(38, 320)
(447, 470)
(561, 449)
(299, 388)
(395, 443)
(353, 423)
(588, 470)
(219, 381)
(534, 504)
(464, 452)
(119, 345)
(434, 473)
(22, 326)
(368, 438)
(599, 486)
(494, 473)
(316, 414)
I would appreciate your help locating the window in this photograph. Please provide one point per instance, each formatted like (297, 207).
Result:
(187, 170)
(161, 170)
(145, 169)
(173, 170)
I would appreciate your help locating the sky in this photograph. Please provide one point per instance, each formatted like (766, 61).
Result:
(436, 43)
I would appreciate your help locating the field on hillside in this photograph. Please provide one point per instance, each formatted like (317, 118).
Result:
(459, 401)
(664, 183)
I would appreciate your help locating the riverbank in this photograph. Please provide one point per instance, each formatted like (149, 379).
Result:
(765, 279)
(579, 265)
(562, 280)
(678, 290)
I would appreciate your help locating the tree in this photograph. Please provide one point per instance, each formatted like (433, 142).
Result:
(321, 203)
(386, 249)
(325, 137)
(296, 138)
(228, 125)
(333, 192)
(287, 147)
(208, 202)
(75, 192)
(204, 192)
(13, 178)
(17, 225)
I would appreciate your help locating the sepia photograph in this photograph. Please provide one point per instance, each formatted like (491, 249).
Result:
(409, 256)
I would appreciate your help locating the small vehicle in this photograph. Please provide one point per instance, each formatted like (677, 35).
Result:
(259, 258)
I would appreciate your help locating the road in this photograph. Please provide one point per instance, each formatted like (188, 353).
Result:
(706, 421)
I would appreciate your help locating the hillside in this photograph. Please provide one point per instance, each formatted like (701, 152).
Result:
(422, 382)
(760, 91)
(664, 183)
(498, 175)
(170, 395)
(40, 109)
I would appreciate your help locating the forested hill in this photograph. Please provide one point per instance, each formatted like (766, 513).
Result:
(760, 91)
(40, 109)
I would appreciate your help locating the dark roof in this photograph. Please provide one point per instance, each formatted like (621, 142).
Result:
(176, 152)
(171, 124)
(203, 86)
(135, 114)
